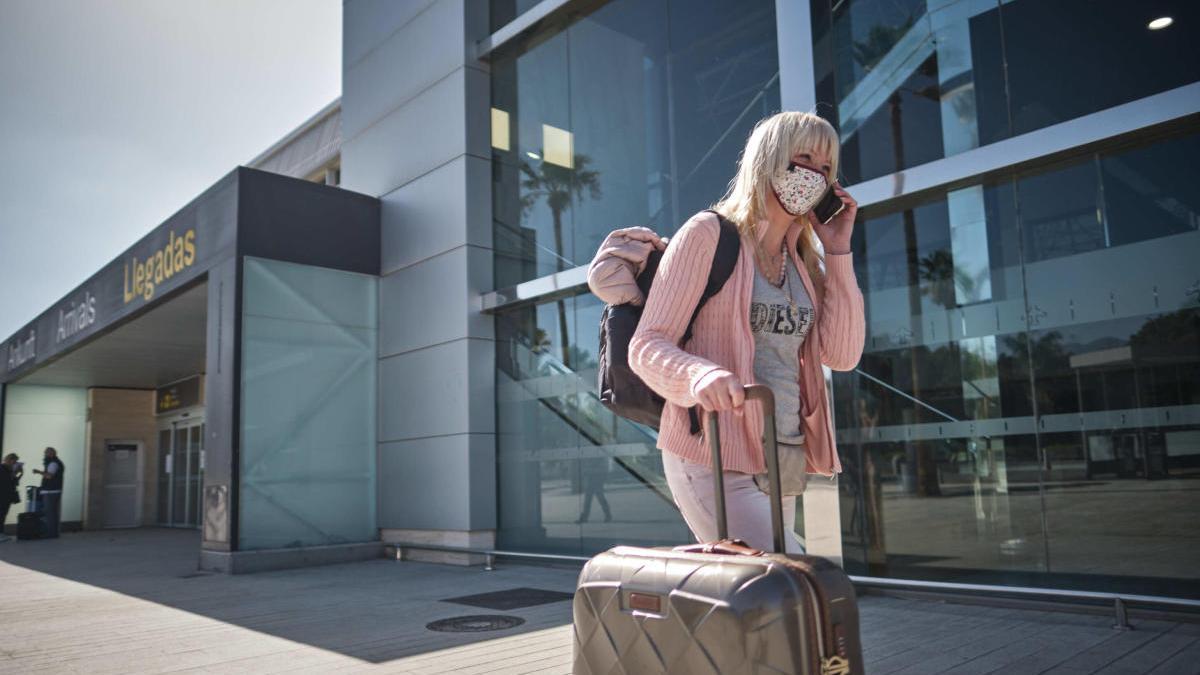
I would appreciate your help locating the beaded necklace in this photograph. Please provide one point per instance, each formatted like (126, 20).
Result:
(784, 277)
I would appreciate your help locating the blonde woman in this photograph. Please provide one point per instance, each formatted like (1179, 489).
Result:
(791, 305)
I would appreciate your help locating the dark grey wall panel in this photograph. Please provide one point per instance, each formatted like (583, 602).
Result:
(293, 220)
(221, 407)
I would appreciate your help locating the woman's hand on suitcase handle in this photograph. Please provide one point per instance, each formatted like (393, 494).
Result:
(721, 390)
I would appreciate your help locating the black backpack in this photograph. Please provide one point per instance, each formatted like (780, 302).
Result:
(622, 391)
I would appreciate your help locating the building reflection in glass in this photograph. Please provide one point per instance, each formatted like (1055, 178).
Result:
(1027, 409)
(964, 466)
(911, 81)
(632, 115)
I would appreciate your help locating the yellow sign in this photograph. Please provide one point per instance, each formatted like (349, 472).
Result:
(182, 394)
(179, 254)
(168, 401)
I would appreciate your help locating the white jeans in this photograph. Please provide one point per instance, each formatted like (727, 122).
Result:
(748, 508)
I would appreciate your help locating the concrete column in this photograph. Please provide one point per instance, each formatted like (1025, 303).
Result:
(221, 404)
(797, 81)
(416, 115)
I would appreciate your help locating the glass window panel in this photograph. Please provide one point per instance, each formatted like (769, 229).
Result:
(941, 466)
(179, 477)
(1116, 357)
(721, 77)
(1060, 214)
(538, 441)
(652, 100)
(1060, 435)
(505, 11)
(1055, 74)
(877, 72)
(618, 459)
(912, 81)
(574, 478)
(866, 33)
(193, 479)
(198, 490)
(308, 406)
(532, 198)
(901, 131)
(1150, 192)
(979, 30)
(164, 478)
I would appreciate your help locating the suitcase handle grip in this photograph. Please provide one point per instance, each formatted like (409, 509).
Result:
(723, 547)
(764, 395)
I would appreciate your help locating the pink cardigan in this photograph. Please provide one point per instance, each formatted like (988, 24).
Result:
(721, 338)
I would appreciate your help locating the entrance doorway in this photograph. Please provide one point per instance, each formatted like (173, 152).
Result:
(122, 493)
(180, 470)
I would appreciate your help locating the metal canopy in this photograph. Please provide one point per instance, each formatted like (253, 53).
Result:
(163, 345)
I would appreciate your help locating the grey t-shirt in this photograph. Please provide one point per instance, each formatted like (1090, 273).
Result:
(779, 331)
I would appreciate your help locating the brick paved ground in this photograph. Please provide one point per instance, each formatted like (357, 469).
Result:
(132, 601)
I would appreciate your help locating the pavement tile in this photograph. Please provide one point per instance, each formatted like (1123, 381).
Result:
(131, 602)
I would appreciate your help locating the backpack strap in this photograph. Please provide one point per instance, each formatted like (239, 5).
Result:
(728, 246)
(724, 260)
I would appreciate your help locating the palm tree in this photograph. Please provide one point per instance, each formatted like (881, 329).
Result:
(937, 269)
(560, 187)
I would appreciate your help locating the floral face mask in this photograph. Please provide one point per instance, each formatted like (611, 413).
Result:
(798, 188)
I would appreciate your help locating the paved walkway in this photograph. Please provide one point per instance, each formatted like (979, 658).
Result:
(132, 601)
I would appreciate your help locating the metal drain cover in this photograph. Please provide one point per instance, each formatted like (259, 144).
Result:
(475, 623)
(512, 598)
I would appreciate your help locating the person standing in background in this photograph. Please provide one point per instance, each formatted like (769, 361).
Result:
(10, 476)
(51, 490)
(595, 472)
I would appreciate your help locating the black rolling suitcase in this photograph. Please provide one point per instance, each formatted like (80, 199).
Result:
(32, 523)
(718, 607)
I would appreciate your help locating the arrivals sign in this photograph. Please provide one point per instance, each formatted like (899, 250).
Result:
(177, 396)
(22, 349)
(143, 277)
(172, 256)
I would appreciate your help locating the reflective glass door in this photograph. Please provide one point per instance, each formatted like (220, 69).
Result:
(181, 473)
(163, 452)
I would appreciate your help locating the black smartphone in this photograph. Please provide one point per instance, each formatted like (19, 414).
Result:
(829, 206)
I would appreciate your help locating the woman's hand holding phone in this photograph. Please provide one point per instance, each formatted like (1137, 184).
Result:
(835, 234)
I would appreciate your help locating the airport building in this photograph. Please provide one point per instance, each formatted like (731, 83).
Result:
(379, 329)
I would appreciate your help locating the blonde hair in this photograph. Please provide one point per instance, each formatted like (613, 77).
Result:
(769, 149)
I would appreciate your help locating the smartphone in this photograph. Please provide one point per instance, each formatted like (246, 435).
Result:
(829, 206)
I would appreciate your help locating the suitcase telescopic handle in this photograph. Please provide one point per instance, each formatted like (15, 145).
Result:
(764, 395)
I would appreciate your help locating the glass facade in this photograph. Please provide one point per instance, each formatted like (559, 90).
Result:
(573, 477)
(634, 115)
(307, 461)
(961, 466)
(910, 81)
(504, 11)
(1027, 409)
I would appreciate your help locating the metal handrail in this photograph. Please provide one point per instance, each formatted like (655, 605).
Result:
(914, 399)
(1026, 590)
(1119, 600)
(489, 554)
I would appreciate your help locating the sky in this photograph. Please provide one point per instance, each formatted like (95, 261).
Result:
(116, 113)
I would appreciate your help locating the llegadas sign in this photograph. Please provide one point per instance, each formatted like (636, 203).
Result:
(143, 276)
